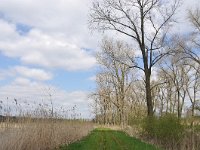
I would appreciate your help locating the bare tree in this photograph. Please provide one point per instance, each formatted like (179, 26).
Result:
(145, 21)
(114, 80)
(194, 18)
(190, 47)
(193, 85)
(136, 101)
(175, 74)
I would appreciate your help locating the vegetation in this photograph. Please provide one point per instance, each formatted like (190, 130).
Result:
(40, 129)
(166, 130)
(41, 134)
(148, 84)
(150, 80)
(107, 139)
(131, 19)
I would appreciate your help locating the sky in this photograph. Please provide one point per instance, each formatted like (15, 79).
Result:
(47, 49)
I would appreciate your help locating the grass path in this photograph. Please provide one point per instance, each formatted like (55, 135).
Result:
(105, 139)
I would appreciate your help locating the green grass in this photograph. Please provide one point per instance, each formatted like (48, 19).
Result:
(105, 139)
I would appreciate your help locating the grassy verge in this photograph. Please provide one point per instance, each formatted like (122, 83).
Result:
(105, 139)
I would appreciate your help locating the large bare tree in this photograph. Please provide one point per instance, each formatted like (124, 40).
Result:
(146, 22)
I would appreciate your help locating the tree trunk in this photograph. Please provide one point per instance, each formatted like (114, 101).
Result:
(179, 107)
(193, 106)
(148, 93)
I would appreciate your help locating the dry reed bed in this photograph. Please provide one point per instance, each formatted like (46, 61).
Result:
(41, 135)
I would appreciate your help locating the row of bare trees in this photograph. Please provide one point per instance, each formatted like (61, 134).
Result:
(178, 87)
(125, 86)
(115, 80)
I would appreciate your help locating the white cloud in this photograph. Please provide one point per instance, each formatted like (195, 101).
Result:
(92, 78)
(25, 72)
(45, 50)
(58, 33)
(5, 74)
(66, 17)
(154, 73)
(33, 73)
(22, 81)
(7, 31)
(57, 38)
(48, 15)
(183, 26)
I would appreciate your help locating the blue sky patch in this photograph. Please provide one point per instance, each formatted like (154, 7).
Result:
(23, 29)
(73, 81)
(6, 62)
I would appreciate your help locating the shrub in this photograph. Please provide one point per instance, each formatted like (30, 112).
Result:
(150, 126)
(167, 129)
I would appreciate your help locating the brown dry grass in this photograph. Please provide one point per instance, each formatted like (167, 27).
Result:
(41, 134)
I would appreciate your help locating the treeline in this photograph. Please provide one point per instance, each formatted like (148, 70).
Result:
(155, 72)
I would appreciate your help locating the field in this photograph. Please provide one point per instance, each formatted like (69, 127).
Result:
(40, 134)
(106, 139)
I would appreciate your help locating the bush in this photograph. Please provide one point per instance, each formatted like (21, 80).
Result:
(169, 128)
(150, 126)
(166, 129)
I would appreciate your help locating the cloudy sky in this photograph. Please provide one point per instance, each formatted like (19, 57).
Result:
(46, 47)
